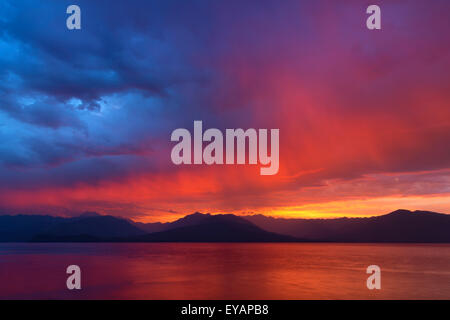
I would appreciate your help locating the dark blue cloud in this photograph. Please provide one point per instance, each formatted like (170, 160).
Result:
(119, 48)
(108, 90)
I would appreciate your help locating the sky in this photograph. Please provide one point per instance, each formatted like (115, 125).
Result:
(86, 115)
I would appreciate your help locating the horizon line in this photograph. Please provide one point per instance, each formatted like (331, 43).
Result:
(216, 214)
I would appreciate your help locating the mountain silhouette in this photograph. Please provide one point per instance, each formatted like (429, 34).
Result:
(186, 221)
(88, 214)
(213, 228)
(21, 228)
(92, 227)
(398, 226)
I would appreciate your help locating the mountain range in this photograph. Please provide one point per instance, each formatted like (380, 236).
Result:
(397, 226)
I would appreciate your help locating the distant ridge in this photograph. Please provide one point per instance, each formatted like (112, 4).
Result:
(24, 228)
(21, 228)
(93, 226)
(213, 228)
(89, 214)
(398, 226)
(188, 220)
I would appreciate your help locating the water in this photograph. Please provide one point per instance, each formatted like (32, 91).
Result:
(224, 271)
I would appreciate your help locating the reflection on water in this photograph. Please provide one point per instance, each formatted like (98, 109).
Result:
(225, 271)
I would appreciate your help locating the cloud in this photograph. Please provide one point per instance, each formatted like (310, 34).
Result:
(86, 116)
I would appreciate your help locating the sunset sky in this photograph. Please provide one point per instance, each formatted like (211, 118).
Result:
(86, 115)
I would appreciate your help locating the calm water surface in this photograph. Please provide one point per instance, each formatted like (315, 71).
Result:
(224, 271)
